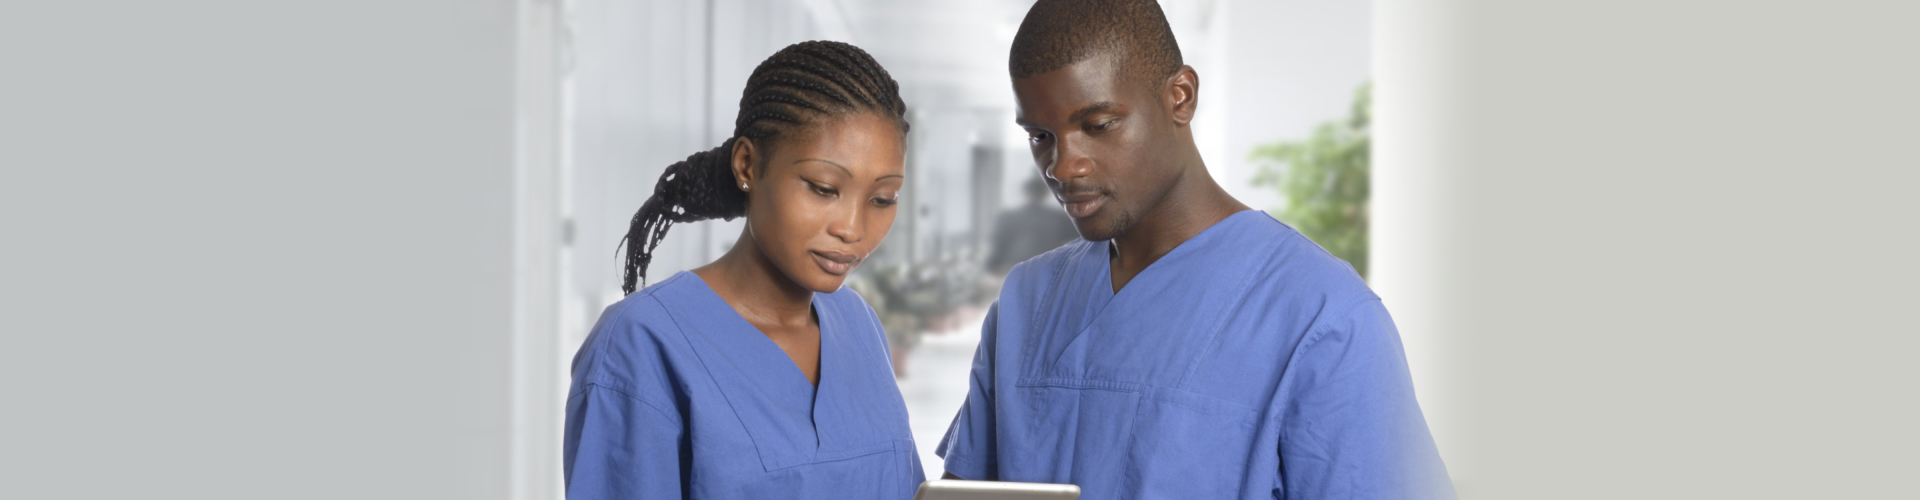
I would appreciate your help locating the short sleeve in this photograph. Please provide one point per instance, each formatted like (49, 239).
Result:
(968, 447)
(1352, 427)
(619, 447)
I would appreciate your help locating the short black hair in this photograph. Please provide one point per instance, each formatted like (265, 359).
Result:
(801, 86)
(1057, 33)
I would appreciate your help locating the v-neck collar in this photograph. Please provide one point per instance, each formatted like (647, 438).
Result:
(1202, 239)
(1102, 267)
(1173, 291)
(761, 346)
(772, 397)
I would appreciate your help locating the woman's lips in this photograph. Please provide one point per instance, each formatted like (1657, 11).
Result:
(835, 263)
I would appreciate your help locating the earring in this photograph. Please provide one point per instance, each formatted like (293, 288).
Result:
(743, 187)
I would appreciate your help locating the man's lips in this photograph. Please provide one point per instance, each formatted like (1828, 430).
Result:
(835, 263)
(1082, 205)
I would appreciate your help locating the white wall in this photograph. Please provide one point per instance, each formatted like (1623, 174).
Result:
(1291, 65)
(1661, 249)
(256, 249)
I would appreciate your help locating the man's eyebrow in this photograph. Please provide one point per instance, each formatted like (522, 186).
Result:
(843, 168)
(1090, 109)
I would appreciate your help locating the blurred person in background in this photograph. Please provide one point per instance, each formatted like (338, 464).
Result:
(758, 375)
(1029, 230)
(1187, 347)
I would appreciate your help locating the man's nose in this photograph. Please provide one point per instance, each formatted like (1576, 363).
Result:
(1069, 161)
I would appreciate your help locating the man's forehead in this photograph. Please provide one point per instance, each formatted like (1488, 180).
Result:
(1069, 90)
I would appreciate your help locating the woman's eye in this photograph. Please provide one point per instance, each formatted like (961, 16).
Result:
(885, 202)
(823, 190)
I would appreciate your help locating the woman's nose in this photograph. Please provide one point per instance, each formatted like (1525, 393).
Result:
(846, 226)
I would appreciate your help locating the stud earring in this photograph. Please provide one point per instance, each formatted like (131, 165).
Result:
(743, 187)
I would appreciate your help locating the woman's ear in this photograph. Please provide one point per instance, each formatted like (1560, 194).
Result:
(744, 156)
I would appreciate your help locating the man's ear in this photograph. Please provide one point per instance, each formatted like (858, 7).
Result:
(1181, 93)
(744, 156)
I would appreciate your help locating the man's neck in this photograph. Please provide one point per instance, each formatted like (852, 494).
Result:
(1193, 205)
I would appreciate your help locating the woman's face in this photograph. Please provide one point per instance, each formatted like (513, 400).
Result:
(825, 198)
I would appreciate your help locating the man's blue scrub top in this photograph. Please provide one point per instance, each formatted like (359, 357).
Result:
(1247, 363)
(676, 396)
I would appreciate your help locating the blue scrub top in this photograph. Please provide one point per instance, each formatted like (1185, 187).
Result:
(675, 395)
(1246, 363)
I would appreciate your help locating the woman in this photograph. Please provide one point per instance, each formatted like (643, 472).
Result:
(758, 375)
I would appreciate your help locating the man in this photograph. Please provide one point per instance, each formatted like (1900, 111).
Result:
(1188, 347)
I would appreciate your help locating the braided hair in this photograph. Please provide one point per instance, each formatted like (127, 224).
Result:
(800, 86)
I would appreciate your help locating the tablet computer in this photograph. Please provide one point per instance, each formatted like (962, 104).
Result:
(955, 489)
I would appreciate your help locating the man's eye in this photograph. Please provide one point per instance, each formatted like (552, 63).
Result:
(1103, 126)
(1037, 138)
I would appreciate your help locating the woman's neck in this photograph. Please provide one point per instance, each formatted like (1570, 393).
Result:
(756, 288)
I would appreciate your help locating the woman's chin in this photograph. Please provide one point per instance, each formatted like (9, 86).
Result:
(818, 280)
(828, 283)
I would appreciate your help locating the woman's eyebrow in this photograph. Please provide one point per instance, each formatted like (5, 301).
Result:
(843, 168)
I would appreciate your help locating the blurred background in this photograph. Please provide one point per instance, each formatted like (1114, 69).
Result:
(1636, 248)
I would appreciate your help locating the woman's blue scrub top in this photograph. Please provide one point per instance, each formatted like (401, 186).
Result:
(675, 395)
(1247, 363)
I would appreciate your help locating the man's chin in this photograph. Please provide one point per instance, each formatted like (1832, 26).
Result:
(1101, 227)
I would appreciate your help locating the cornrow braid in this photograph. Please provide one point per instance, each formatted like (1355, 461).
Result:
(800, 86)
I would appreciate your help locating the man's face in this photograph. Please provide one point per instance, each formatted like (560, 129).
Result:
(1094, 135)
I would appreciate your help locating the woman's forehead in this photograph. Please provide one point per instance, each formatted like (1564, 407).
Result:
(859, 146)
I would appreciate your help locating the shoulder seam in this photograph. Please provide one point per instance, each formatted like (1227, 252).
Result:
(599, 378)
(1320, 330)
(670, 416)
(596, 363)
(1312, 337)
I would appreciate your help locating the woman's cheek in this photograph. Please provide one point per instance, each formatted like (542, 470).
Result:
(811, 217)
(881, 223)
